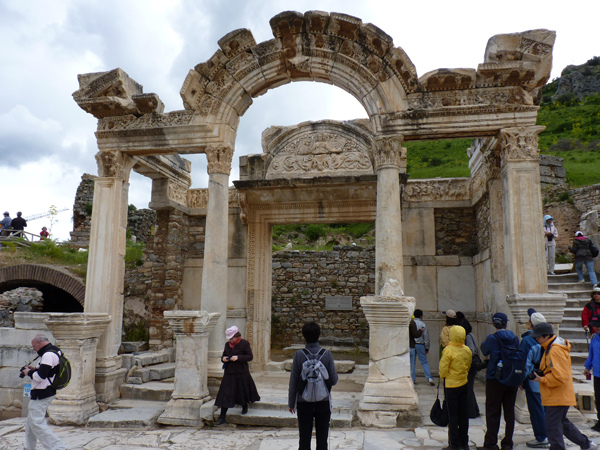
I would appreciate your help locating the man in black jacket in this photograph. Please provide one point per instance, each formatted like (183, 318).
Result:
(18, 223)
(42, 394)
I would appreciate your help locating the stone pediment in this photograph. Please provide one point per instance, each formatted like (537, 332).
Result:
(316, 149)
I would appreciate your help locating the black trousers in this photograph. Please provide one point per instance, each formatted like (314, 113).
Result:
(499, 398)
(457, 400)
(597, 395)
(320, 414)
(558, 425)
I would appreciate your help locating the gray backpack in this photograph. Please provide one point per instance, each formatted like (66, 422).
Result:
(314, 374)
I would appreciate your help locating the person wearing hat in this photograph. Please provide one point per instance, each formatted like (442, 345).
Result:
(237, 386)
(445, 333)
(592, 365)
(533, 350)
(5, 224)
(591, 308)
(499, 397)
(18, 223)
(550, 235)
(581, 248)
(556, 388)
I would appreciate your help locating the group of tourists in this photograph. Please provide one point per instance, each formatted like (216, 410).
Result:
(583, 249)
(10, 226)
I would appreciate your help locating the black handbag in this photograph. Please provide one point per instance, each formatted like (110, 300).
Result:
(439, 411)
(477, 363)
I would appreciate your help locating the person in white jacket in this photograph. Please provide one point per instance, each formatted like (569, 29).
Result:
(422, 348)
(550, 235)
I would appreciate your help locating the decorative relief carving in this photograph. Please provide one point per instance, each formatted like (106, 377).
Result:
(177, 192)
(471, 97)
(388, 151)
(197, 198)
(320, 154)
(152, 120)
(519, 143)
(110, 165)
(219, 159)
(232, 199)
(437, 190)
(533, 47)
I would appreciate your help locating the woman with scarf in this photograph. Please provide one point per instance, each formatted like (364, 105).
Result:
(237, 386)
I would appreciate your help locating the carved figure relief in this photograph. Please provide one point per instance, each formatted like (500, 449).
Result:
(319, 154)
(197, 198)
(436, 190)
(177, 192)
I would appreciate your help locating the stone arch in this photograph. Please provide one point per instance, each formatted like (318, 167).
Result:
(44, 274)
(315, 46)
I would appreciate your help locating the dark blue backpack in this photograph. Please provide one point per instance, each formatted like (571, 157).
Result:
(514, 361)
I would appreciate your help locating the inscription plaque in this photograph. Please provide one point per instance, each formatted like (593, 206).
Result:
(338, 302)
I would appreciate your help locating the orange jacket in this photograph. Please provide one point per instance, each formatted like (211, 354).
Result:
(556, 386)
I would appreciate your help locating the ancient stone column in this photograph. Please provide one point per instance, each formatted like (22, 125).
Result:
(214, 271)
(106, 266)
(388, 221)
(191, 330)
(77, 336)
(388, 398)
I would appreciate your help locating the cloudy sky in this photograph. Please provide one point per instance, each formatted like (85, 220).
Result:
(47, 142)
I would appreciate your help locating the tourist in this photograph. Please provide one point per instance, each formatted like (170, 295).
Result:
(498, 396)
(471, 342)
(581, 248)
(237, 386)
(592, 366)
(591, 308)
(454, 369)
(18, 223)
(419, 346)
(44, 233)
(556, 388)
(42, 394)
(550, 235)
(445, 333)
(533, 350)
(318, 412)
(5, 224)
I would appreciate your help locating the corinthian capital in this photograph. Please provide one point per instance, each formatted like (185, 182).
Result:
(520, 143)
(388, 151)
(219, 159)
(113, 164)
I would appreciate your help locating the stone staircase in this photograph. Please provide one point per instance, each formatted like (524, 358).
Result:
(578, 294)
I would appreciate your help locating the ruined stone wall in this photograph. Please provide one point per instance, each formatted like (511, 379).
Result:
(82, 210)
(141, 223)
(482, 217)
(302, 280)
(552, 171)
(22, 299)
(455, 231)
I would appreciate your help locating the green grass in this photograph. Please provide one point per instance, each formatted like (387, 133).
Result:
(431, 159)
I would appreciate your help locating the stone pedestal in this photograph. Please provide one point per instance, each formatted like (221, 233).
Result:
(551, 306)
(77, 336)
(388, 399)
(191, 330)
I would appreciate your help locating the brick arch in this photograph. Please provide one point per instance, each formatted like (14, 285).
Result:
(315, 46)
(45, 274)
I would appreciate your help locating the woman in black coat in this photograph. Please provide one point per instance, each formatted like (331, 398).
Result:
(237, 386)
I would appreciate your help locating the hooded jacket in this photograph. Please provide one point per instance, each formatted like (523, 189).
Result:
(550, 229)
(490, 347)
(556, 386)
(581, 249)
(593, 360)
(456, 359)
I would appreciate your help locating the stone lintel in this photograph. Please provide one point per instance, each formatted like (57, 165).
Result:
(188, 322)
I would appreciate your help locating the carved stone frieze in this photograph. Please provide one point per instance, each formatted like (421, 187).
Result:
(177, 192)
(197, 198)
(519, 143)
(388, 151)
(469, 97)
(437, 190)
(233, 200)
(110, 165)
(219, 159)
(152, 120)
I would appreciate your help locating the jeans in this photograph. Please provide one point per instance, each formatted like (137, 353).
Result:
(320, 413)
(550, 257)
(589, 265)
(536, 412)
(36, 427)
(419, 351)
(558, 425)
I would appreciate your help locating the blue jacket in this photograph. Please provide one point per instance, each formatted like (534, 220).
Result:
(593, 359)
(534, 355)
(490, 347)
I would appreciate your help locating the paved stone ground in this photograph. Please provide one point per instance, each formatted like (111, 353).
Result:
(425, 437)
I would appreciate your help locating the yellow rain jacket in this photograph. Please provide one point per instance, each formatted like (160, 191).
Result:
(456, 359)
(556, 386)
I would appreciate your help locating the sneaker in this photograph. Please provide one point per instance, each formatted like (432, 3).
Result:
(593, 445)
(431, 382)
(534, 443)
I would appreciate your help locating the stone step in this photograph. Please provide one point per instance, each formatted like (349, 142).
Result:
(579, 293)
(571, 333)
(153, 372)
(128, 414)
(341, 366)
(569, 277)
(153, 390)
(568, 287)
(150, 358)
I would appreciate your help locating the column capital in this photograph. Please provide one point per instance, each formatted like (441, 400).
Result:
(519, 143)
(388, 150)
(114, 164)
(219, 159)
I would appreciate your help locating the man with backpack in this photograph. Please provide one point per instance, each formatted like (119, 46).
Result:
(313, 375)
(42, 394)
(504, 375)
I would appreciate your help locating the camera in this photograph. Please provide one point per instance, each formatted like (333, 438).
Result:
(550, 238)
(534, 373)
(21, 373)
